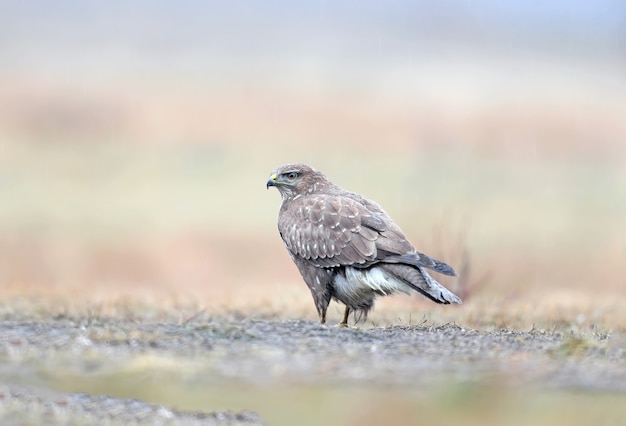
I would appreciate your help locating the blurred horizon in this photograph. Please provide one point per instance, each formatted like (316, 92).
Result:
(136, 139)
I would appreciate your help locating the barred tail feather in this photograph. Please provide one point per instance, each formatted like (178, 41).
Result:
(442, 294)
(419, 280)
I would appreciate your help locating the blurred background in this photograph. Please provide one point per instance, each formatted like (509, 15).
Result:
(136, 139)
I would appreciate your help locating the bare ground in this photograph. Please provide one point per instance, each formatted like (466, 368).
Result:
(54, 370)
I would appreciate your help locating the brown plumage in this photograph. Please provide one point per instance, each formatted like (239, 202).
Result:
(346, 246)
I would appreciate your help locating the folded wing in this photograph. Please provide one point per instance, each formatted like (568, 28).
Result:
(337, 230)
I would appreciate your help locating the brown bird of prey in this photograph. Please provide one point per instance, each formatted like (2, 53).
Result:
(346, 246)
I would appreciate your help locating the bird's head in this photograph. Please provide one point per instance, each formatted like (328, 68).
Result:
(296, 179)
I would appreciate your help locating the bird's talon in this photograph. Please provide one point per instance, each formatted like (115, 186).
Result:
(344, 325)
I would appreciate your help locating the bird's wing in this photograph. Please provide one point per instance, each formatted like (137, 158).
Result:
(393, 246)
(330, 230)
(339, 230)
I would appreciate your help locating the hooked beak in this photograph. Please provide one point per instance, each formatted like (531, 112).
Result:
(271, 181)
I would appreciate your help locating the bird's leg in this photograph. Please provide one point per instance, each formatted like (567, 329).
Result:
(323, 318)
(344, 321)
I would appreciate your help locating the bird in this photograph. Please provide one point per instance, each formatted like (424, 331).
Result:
(347, 248)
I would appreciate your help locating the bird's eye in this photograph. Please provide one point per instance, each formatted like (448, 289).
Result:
(291, 176)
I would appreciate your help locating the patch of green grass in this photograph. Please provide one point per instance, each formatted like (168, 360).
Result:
(574, 345)
(447, 403)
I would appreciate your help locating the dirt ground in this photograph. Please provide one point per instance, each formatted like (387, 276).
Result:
(236, 370)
